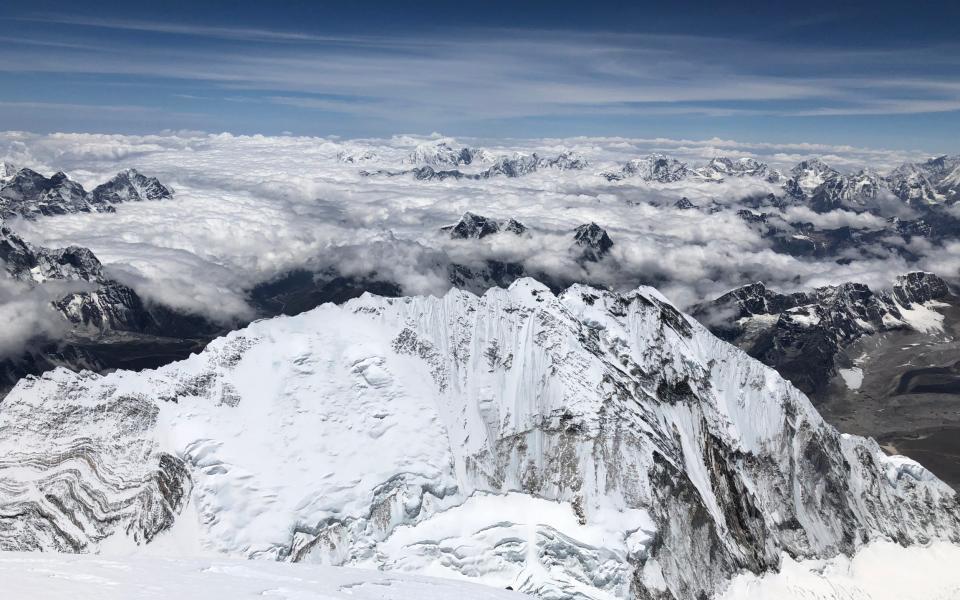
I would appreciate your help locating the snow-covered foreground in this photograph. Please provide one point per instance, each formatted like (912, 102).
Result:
(39, 576)
(880, 571)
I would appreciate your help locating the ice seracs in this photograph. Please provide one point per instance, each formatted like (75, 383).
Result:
(590, 444)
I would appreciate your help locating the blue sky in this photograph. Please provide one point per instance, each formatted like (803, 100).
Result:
(869, 74)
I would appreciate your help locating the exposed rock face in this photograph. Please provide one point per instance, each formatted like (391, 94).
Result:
(920, 287)
(591, 242)
(25, 262)
(95, 308)
(590, 445)
(856, 192)
(130, 186)
(471, 226)
(932, 182)
(107, 305)
(802, 334)
(808, 175)
(29, 194)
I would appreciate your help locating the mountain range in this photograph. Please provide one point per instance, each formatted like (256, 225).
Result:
(28, 194)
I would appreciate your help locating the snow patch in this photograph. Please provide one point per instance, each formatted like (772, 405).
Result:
(852, 377)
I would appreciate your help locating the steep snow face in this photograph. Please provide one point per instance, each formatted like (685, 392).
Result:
(588, 445)
(810, 174)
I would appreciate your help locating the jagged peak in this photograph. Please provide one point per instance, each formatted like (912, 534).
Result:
(593, 240)
(474, 226)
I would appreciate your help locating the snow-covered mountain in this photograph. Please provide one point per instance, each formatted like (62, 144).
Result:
(353, 155)
(590, 445)
(517, 165)
(655, 167)
(592, 242)
(443, 154)
(802, 334)
(29, 194)
(101, 316)
(471, 226)
(812, 182)
(722, 167)
(7, 171)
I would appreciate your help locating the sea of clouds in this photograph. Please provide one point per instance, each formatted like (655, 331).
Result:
(249, 208)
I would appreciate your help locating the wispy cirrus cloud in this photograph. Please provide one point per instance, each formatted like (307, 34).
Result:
(454, 77)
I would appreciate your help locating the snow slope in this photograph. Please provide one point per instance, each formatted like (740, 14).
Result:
(591, 445)
(60, 577)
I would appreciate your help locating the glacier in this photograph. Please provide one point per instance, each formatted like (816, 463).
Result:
(582, 445)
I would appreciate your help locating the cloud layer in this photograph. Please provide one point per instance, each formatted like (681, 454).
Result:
(249, 208)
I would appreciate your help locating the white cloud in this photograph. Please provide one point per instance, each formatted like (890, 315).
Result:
(250, 207)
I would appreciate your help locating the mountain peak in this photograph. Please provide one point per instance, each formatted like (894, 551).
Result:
(653, 168)
(464, 422)
(474, 226)
(592, 241)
